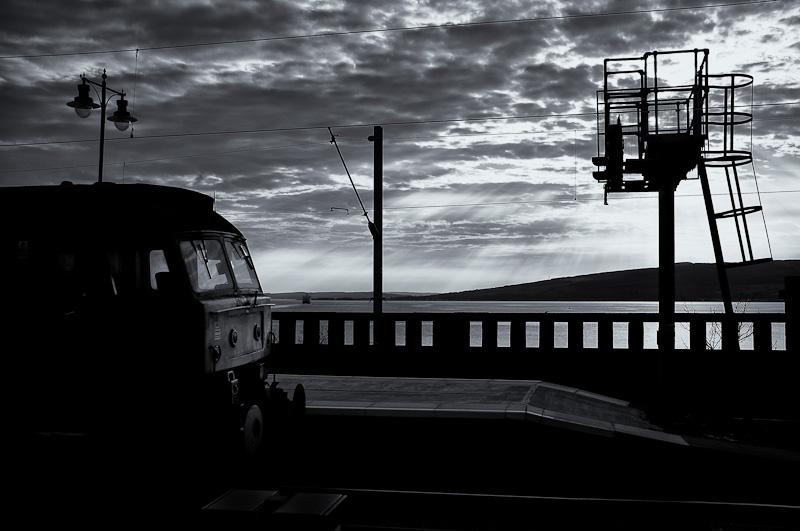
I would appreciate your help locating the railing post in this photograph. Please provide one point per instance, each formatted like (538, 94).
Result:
(450, 334)
(762, 335)
(360, 331)
(388, 331)
(635, 334)
(546, 334)
(605, 334)
(413, 333)
(697, 334)
(575, 333)
(335, 332)
(311, 332)
(286, 332)
(489, 332)
(730, 333)
(517, 339)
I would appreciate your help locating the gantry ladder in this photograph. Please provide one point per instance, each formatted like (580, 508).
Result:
(721, 153)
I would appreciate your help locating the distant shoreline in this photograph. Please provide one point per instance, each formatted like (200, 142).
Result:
(693, 282)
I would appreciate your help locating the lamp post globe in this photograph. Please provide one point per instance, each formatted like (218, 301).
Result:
(83, 102)
(121, 117)
(83, 112)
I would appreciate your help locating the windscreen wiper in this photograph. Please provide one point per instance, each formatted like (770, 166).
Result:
(204, 254)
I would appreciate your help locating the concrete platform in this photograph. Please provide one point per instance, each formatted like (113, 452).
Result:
(532, 401)
(524, 400)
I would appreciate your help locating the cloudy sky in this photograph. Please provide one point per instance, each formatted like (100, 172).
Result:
(469, 204)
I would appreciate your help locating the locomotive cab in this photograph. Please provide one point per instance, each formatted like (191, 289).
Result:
(135, 309)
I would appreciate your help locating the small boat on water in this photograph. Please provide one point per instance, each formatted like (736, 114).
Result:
(307, 298)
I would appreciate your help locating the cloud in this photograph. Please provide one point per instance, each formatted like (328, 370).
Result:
(279, 187)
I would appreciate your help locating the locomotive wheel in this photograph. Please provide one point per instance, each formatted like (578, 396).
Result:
(253, 430)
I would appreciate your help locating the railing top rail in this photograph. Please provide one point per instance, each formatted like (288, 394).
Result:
(538, 316)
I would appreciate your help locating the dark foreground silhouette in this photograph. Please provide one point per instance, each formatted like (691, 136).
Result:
(136, 338)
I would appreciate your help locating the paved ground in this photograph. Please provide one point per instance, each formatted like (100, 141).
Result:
(525, 400)
(534, 401)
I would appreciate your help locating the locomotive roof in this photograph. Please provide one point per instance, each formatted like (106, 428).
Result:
(110, 208)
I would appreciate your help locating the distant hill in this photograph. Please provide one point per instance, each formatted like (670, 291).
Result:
(693, 282)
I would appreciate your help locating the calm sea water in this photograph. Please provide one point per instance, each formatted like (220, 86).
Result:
(620, 331)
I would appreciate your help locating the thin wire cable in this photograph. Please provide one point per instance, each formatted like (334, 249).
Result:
(753, 165)
(171, 157)
(529, 133)
(298, 145)
(333, 141)
(344, 126)
(598, 199)
(758, 194)
(393, 139)
(303, 128)
(396, 29)
(559, 201)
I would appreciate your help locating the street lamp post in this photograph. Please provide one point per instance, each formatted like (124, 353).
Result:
(84, 105)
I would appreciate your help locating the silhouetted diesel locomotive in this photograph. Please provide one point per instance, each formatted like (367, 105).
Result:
(134, 311)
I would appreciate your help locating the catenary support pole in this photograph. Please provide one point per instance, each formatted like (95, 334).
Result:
(666, 271)
(377, 254)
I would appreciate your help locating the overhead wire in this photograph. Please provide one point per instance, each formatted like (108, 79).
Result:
(755, 173)
(571, 200)
(395, 29)
(170, 157)
(297, 145)
(597, 199)
(340, 126)
(311, 144)
(305, 128)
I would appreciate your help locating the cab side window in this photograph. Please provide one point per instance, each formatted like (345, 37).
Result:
(157, 262)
